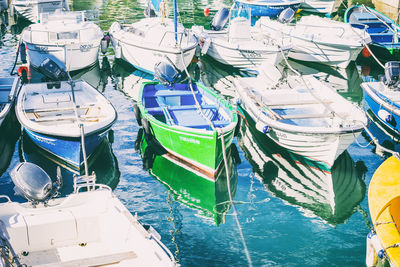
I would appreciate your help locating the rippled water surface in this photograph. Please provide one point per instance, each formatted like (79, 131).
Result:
(291, 213)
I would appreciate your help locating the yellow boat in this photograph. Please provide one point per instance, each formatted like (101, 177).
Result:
(383, 243)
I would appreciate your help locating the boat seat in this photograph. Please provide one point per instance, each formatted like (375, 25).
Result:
(55, 109)
(165, 93)
(204, 124)
(184, 107)
(67, 118)
(364, 16)
(103, 260)
(306, 116)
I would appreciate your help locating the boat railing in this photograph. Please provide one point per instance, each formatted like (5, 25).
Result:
(88, 182)
(6, 197)
(158, 241)
(186, 33)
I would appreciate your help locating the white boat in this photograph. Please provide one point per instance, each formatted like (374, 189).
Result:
(151, 40)
(306, 117)
(51, 114)
(8, 90)
(238, 45)
(317, 39)
(320, 6)
(91, 228)
(66, 38)
(331, 194)
(31, 9)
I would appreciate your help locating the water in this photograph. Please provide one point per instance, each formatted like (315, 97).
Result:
(291, 213)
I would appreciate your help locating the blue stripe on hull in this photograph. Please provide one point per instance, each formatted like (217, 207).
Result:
(375, 107)
(269, 11)
(67, 149)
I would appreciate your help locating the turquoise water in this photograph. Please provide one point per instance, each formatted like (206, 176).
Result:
(291, 213)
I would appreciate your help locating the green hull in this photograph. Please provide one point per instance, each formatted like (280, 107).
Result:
(199, 147)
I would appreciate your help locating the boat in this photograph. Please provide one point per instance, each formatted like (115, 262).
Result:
(188, 119)
(326, 7)
(317, 39)
(8, 91)
(66, 38)
(383, 202)
(102, 162)
(31, 9)
(383, 97)
(153, 39)
(188, 186)
(328, 194)
(237, 44)
(54, 115)
(89, 227)
(270, 8)
(383, 30)
(301, 114)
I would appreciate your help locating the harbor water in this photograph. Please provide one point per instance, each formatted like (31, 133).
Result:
(291, 212)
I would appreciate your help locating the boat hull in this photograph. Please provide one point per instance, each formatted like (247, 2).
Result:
(72, 56)
(31, 10)
(273, 9)
(328, 54)
(321, 148)
(234, 56)
(68, 149)
(323, 7)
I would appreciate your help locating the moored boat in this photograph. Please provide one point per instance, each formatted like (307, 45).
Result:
(302, 115)
(52, 114)
(189, 120)
(237, 44)
(64, 37)
(317, 39)
(383, 202)
(383, 30)
(8, 90)
(31, 9)
(383, 97)
(270, 8)
(326, 7)
(91, 228)
(153, 39)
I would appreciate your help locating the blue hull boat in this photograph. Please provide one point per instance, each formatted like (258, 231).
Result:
(55, 116)
(383, 31)
(269, 8)
(68, 149)
(383, 97)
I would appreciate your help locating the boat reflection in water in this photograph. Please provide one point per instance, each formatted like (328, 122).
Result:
(188, 186)
(102, 162)
(10, 131)
(129, 79)
(331, 194)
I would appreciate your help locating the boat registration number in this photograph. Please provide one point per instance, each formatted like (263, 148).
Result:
(251, 53)
(191, 140)
(86, 47)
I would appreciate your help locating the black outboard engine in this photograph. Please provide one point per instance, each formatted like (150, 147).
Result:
(286, 15)
(392, 72)
(166, 74)
(220, 19)
(51, 70)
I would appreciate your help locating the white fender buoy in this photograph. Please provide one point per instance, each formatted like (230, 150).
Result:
(374, 250)
(118, 51)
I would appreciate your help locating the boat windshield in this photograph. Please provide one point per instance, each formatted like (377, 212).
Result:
(66, 17)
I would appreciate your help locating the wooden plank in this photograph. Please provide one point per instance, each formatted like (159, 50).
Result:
(94, 261)
(66, 118)
(38, 110)
(306, 116)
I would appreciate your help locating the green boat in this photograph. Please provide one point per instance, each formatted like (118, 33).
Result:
(188, 120)
(188, 186)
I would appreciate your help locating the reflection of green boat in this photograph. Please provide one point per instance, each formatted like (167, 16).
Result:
(187, 185)
(10, 130)
(102, 162)
(331, 195)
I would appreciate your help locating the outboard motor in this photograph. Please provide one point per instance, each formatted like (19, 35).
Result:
(51, 70)
(220, 19)
(392, 72)
(166, 74)
(286, 15)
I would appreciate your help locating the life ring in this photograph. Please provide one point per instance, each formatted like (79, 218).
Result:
(138, 116)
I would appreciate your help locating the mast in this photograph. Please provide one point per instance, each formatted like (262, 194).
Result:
(176, 22)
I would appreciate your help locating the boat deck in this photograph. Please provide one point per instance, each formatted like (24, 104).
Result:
(177, 106)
